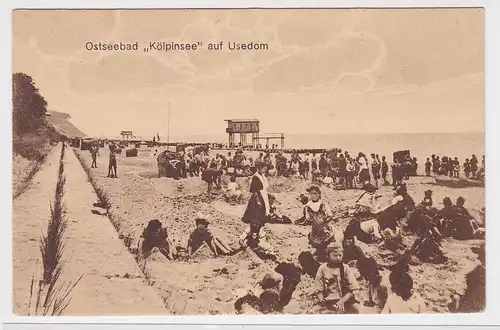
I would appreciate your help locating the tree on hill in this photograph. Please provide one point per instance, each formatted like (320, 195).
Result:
(32, 134)
(29, 106)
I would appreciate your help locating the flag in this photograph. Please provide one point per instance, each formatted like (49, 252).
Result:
(157, 137)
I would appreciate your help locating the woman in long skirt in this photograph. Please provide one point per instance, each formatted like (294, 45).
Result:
(258, 205)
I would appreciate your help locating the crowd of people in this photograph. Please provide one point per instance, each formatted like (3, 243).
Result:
(335, 253)
(451, 167)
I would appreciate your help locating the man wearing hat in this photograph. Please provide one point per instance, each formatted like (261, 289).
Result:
(336, 285)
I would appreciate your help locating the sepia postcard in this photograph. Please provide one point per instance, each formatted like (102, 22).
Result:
(248, 161)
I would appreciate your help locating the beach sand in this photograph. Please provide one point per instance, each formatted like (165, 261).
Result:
(206, 285)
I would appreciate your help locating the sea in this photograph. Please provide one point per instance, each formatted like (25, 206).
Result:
(421, 145)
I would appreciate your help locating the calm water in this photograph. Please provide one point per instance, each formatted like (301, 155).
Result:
(461, 145)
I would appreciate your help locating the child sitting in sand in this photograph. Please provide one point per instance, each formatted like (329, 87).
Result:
(366, 231)
(270, 297)
(233, 190)
(319, 214)
(354, 250)
(304, 199)
(378, 285)
(402, 299)
(154, 236)
(275, 216)
(366, 206)
(336, 285)
(327, 181)
(201, 235)
(464, 226)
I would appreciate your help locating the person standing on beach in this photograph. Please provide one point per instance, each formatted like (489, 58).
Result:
(350, 174)
(112, 161)
(258, 207)
(379, 165)
(307, 165)
(473, 165)
(364, 173)
(467, 168)
(428, 165)
(94, 150)
(456, 168)
(385, 170)
(375, 169)
(314, 162)
(323, 164)
(211, 175)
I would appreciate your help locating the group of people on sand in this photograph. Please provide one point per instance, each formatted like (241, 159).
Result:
(337, 289)
(333, 170)
(411, 232)
(451, 167)
(155, 235)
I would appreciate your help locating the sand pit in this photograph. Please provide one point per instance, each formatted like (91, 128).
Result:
(199, 287)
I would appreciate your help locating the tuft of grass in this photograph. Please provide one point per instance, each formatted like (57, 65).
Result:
(51, 298)
(51, 244)
(102, 198)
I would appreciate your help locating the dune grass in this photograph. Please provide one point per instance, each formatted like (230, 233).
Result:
(51, 296)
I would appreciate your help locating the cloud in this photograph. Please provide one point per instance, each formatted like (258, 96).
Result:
(121, 73)
(356, 67)
(426, 45)
(322, 25)
(156, 24)
(348, 85)
(322, 65)
(61, 32)
(225, 84)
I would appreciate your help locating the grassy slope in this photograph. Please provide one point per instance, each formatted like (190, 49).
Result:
(29, 150)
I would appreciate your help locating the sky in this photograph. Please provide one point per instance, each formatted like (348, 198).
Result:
(326, 71)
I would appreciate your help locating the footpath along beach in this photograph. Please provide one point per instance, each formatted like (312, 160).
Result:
(111, 281)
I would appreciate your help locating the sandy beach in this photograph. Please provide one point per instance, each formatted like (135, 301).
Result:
(210, 286)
